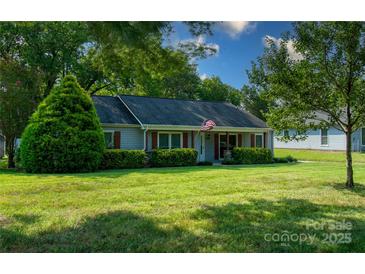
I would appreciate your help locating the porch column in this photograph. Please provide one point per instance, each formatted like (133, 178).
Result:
(227, 144)
(146, 140)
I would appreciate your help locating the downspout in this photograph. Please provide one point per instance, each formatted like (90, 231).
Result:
(142, 126)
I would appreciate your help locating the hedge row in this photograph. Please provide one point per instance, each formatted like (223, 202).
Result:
(173, 157)
(117, 159)
(247, 155)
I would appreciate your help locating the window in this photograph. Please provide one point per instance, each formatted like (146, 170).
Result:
(109, 139)
(169, 140)
(324, 137)
(163, 140)
(175, 140)
(363, 136)
(286, 133)
(259, 140)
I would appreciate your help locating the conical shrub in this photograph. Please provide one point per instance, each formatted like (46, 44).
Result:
(64, 134)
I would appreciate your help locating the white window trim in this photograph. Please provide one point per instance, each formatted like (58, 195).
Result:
(169, 133)
(219, 142)
(323, 145)
(262, 139)
(112, 132)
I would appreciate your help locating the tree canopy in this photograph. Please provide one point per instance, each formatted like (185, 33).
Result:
(213, 89)
(315, 79)
(19, 95)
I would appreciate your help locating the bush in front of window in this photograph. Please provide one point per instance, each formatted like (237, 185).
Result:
(173, 157)
(119, 159)
(64, 134)
(248, 155)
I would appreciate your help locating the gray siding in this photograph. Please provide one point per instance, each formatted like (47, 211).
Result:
(270, 141)
(131, 137)
(246, 139)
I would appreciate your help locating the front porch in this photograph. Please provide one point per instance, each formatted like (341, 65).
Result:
(211, 145)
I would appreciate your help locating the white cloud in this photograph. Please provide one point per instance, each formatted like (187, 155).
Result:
(293, 54)
(204, 76)
(235, 28)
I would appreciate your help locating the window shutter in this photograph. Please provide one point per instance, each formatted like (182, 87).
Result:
(185, 139)
(192, 139)
(239, 139)
(265, 139)
(253, 140)
(216, 147)
(154, 140)
(117, 139)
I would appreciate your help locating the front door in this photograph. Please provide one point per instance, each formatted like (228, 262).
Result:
(224, 145)
(202, 147)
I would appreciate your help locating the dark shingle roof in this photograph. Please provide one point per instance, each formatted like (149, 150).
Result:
(163, 111)
(112, 111)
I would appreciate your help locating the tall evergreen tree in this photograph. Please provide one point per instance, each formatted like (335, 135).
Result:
(64, 134)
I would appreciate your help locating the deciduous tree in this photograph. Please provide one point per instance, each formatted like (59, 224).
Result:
(20, 90)
(316, 78)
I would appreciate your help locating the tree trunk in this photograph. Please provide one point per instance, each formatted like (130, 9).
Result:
(349, 170)
(10, 151)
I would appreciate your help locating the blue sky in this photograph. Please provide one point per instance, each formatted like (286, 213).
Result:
(238, 44)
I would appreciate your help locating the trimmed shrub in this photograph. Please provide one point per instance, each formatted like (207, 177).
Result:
(248, 155)
(118, 159)
(64, 134)
(173, 157)
(287, 159)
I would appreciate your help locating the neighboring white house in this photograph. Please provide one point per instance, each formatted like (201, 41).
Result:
(323, 139)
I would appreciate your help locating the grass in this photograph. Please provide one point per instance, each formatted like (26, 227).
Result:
(317, 155)
(190, 209)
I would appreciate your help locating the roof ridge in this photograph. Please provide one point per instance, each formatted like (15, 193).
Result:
(176, 99)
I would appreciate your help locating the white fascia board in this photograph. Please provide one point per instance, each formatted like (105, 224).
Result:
(197, 128)
(119, 125)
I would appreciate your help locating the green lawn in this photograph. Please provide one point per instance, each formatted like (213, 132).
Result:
(193, 209)
(316, 155)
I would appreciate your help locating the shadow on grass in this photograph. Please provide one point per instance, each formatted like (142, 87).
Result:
(359, 189)
(256, 226)
(246, 227)
(119, 231)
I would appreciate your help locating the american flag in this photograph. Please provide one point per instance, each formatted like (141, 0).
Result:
(207, 125)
